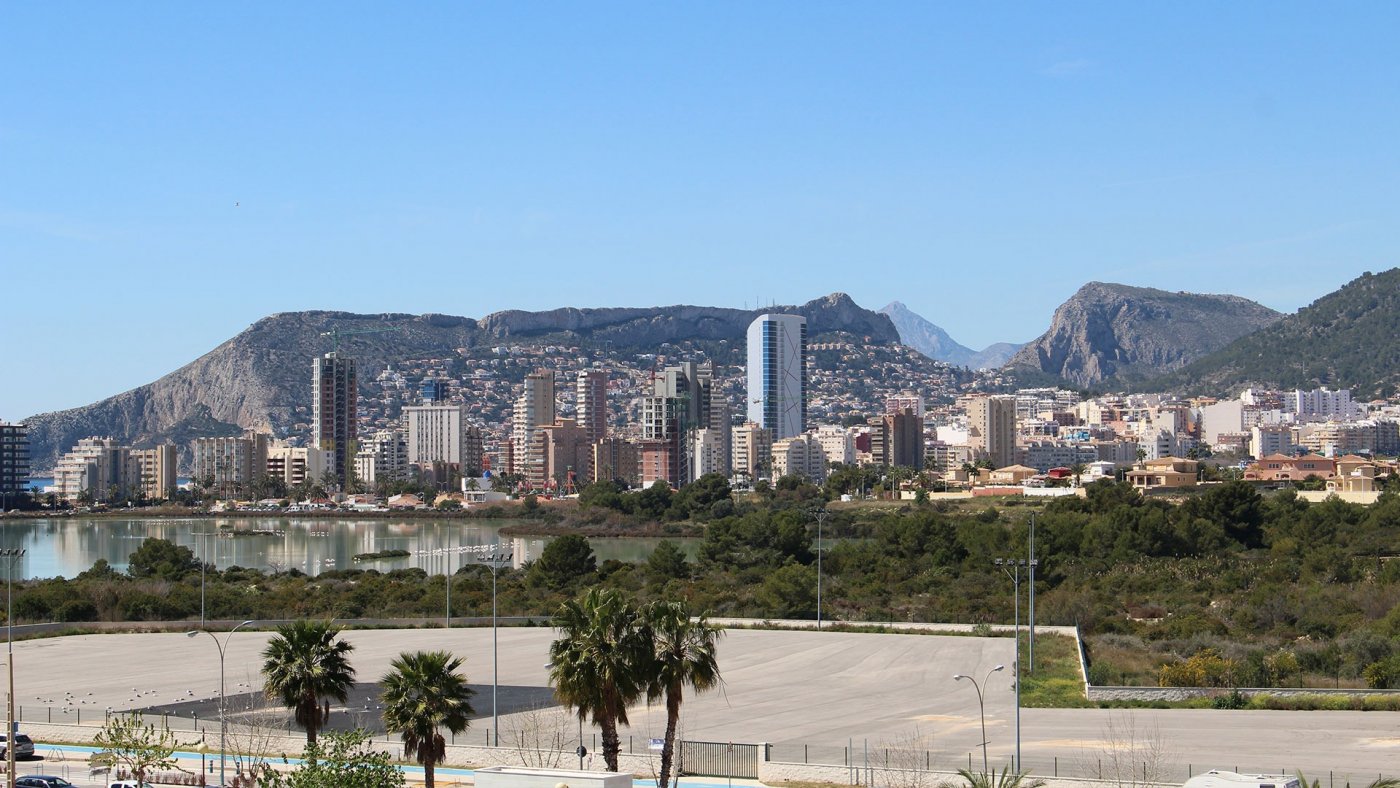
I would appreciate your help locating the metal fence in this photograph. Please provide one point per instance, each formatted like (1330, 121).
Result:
(719, 759)
(871, 764)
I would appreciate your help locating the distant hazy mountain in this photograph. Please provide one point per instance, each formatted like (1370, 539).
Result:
(261, 376)
(994, 355)
(919, 333)
(1349, 338)
(1115, 332)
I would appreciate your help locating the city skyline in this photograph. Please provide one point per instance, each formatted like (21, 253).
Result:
(222, 164)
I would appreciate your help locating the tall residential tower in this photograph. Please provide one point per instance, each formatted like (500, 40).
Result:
(333, 417)
(777, 374)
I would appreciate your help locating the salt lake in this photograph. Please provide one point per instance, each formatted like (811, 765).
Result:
(69, 545)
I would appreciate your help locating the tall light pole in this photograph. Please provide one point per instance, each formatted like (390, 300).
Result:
(1030, 641)
(222, 723)
(1012, 568)
(498, 558)
(199, 545)
(11, 554)
(981, 706)
(821, 514)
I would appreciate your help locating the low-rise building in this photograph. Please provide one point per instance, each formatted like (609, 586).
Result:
(1165, 473)
(1282, 468)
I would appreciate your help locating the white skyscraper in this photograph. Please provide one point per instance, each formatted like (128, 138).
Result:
(777, 374)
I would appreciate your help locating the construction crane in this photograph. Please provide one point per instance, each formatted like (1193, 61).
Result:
(335, 333)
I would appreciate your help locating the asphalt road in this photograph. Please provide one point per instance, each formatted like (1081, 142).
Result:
(823, 695)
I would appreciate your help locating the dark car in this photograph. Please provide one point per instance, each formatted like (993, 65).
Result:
(42, 781)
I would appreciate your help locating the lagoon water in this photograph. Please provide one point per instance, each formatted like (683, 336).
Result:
(68, 545)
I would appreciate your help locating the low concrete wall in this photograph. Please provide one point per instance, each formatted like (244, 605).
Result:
(1318, 496)
(1186, 693)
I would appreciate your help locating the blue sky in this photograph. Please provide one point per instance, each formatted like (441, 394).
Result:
(171, 172)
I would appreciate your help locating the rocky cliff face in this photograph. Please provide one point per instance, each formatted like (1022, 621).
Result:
(921, 334)
(259, 378)
(1109, 332)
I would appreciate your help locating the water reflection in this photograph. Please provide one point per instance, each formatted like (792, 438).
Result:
(66, 546)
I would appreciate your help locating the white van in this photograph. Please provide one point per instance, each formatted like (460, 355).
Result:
(1216, 778)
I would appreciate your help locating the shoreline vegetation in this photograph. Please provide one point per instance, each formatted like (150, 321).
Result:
(1225, 588)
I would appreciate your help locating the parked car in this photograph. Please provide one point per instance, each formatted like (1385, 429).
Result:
(24, 746)
(41, 781)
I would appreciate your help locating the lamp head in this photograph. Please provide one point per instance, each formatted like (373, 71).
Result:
(958, 677)
(998, 668)
(192, 633)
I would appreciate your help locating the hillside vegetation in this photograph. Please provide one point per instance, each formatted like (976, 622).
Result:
(1347, 339)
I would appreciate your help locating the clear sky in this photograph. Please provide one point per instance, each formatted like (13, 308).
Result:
(171, 172)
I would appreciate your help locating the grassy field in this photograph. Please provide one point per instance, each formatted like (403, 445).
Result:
(1056, 682)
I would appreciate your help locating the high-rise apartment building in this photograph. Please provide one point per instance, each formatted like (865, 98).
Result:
(991, 428)
(777, 374)
(592, 403)
(14, 462)
(799, 456)
(897, 439)
(752, 450)
(838, 443)
(153, 470)
(534, 408)
(615, 458)
(333, 410)
(94, 468)
(566, 456)
(297, 465)
(441, 433)
(382, 458)
(1321, 405)
(229, 465)
(685, 400)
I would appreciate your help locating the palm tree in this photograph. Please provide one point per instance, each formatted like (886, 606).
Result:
(599, 663)
(422, 694)
(683, 654)
(1006, 779)
(1078, 470)
(305, 665)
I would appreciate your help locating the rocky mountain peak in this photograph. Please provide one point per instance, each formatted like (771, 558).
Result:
(1108, 331)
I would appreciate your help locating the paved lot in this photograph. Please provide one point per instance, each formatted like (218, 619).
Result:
(818, 689)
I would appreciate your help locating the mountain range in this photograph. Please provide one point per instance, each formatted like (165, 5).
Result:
(258, 378)
(1105, 335)
(919, 333)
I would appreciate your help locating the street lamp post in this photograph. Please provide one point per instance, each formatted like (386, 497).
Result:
(199, 546)
(1012, 568)
(222, 645)
(1030, 640)
(11, 554)
(495, 557)
(981, 707)
(822, 514)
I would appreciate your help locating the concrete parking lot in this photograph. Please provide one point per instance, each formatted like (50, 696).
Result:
(811, 694)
